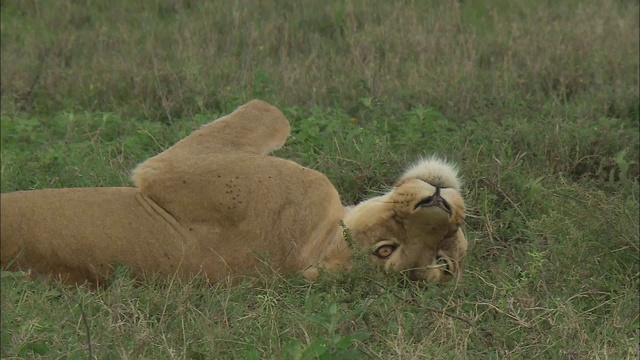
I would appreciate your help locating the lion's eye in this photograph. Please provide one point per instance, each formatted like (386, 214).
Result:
(385, 251)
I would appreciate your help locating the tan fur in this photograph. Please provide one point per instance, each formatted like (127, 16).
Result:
(215, 204)
(430, 244)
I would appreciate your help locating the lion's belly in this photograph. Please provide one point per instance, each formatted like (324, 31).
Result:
(248, 210)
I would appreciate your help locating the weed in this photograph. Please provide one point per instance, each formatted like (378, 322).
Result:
(334, 345)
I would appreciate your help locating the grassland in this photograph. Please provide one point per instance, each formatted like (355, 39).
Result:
(536, 101)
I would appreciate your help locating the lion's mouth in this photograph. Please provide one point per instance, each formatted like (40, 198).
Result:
(435, 200)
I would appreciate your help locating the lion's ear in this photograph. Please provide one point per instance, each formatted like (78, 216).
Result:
(255, 128)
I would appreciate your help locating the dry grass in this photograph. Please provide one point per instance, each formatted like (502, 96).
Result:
(168, 59)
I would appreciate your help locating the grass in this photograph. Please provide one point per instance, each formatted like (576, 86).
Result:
(171, 59)
(536, 101)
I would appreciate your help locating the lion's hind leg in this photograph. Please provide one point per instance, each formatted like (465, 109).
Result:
(255, 128)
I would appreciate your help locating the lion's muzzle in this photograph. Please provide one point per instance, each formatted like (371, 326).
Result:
(434, 201)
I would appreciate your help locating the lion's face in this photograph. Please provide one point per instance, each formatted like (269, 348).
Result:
(410, 229)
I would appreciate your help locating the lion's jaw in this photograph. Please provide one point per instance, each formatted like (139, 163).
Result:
(412, 222)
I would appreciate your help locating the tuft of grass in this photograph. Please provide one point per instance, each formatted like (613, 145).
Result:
(536, 101)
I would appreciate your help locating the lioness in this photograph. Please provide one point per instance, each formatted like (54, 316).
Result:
(215, 201)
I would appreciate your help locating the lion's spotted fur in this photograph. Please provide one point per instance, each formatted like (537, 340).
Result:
(215, 203)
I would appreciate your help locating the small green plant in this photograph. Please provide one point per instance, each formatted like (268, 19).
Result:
(262, 85)
(534, 268)
(334, 345)
(623, 168)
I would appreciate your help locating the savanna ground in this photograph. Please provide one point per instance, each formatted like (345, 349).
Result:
(537, 101)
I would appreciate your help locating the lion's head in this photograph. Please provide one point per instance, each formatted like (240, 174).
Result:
(415, 227)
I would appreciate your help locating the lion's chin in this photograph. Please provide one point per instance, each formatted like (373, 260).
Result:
(436, 216)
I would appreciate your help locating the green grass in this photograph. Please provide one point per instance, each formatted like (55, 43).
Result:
(537, 102)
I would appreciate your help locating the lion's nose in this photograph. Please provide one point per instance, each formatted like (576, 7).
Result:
(434, 200)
